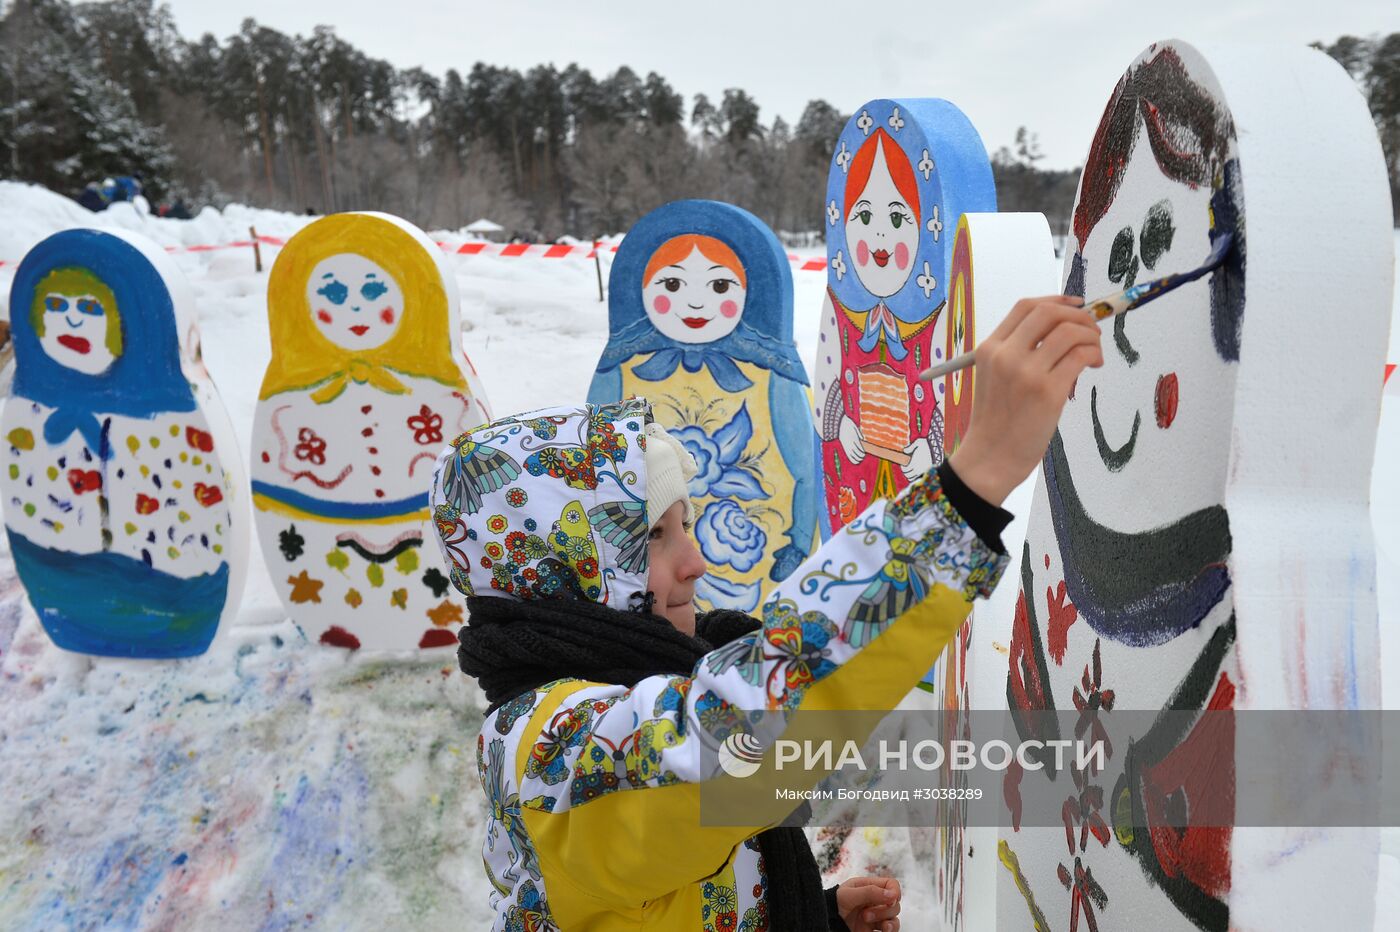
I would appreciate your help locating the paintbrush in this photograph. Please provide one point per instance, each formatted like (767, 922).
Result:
(1114, 304)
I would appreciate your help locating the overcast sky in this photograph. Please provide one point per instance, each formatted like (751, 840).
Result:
(1048, 66)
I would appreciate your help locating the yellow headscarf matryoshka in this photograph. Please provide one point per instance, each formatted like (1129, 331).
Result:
(306, 352)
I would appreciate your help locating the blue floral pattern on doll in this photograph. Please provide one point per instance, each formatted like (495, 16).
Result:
(719, 458)
(729, 537)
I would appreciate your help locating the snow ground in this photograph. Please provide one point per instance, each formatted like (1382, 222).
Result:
(274, 784)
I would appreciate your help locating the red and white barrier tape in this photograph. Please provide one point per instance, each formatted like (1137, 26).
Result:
(477, 248)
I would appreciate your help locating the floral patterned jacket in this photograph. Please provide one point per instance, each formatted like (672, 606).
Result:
(594, 788)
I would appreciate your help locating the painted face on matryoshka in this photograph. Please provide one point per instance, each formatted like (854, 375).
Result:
(882, 215)
(1152, 423)
(355, 303)
(76, 319)
(694, 289)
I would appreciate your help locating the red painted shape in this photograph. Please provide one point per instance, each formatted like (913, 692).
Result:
(557, 251)
(1062, 615)
(336, 636)
(470, 249)
(207, 495)
(84, 480)
(515, 249)
(1201, 769)
(1026, 687)
(1167, 390)
(201, 441)
(1011, 793)
(437, 637)
(145, 505)
(1389, 371)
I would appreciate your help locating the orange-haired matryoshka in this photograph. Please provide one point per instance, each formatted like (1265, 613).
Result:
(700, 324)
(903, 173)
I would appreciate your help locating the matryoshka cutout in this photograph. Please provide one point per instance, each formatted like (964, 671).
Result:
(123, 490)
(367, 379)
(700, 324)
(1170, 561)
(997, 259)
(903, 172)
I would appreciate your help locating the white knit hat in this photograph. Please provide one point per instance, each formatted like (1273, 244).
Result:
(670, 468)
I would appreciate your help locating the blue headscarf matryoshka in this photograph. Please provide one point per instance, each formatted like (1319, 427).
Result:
(122, 550)
(145, 374)
(902, 174)
(700, 322)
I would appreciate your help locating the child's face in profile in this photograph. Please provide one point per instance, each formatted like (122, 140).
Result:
(674, 565)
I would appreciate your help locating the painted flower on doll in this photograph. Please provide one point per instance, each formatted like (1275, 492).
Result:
(718, 456)
(729, 536)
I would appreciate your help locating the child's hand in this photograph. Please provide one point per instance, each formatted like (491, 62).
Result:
(1025, 370)
(869, 904)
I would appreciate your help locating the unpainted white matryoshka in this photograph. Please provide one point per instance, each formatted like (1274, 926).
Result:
(367, 379)
(123, 490)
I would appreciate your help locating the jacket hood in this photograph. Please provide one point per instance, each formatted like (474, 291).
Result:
(548, 505)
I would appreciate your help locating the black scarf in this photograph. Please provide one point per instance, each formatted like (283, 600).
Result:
(511, 647)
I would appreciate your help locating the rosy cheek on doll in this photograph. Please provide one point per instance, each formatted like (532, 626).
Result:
(901, 256)
(662, 304)
(1167, 398)
(729, 309)
(862, 253)
(323, 316)
(387, 315)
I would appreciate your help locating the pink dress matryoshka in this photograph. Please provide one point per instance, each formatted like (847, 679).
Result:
(902, 170)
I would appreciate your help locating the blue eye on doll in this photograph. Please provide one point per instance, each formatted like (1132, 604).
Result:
(334, 292)
(57, 304)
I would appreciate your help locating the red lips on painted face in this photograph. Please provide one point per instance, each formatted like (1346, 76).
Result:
(76, 344)
(695, 323)
(360, 330)
(881, 257)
